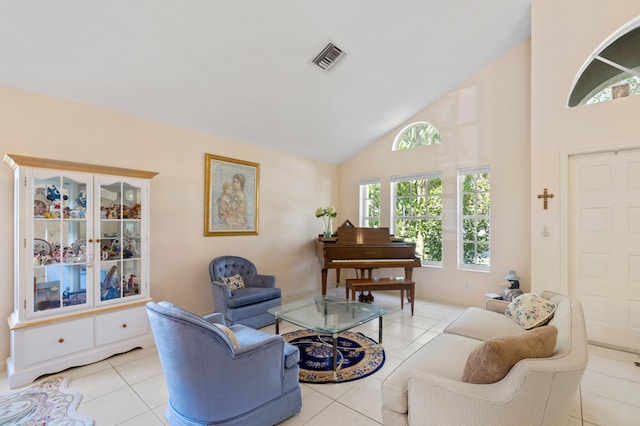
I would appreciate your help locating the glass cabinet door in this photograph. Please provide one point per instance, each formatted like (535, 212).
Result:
(59, 235)
(120, 235)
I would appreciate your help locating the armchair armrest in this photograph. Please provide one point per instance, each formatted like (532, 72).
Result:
(222, 288)
(215, 318)
(434, 397)
(268, 342)
(265, 281)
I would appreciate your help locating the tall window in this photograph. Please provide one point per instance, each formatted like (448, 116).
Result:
(417, 214)
(475, 223)
(416, 134)
(370, 203)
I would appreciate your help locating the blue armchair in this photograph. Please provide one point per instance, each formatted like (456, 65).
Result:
(223, 375)
(247, 305)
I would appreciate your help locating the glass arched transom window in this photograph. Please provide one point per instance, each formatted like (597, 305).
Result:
(416, 134)
(613, 69)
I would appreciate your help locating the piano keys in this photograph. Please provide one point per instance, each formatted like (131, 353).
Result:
(364, 249)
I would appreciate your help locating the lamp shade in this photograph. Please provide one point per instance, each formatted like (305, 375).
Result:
(512, 276)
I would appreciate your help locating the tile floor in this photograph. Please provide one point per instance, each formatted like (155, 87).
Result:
(129, 389)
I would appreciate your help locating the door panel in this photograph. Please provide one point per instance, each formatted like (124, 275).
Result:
(604, 233)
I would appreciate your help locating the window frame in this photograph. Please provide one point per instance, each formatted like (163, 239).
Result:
(410, 126)
(611, 63)
(394, 216)
(462, 173)
(364, 219)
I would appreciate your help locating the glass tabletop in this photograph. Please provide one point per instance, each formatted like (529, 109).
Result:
(326, 314)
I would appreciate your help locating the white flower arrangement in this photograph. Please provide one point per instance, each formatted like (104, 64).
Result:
(328, 211)
(327, 214)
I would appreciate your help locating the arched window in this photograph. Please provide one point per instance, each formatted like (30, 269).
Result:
(613, 69)
(416, 134)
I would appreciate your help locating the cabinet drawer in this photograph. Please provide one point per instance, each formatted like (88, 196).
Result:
(120, 325)
(55, 340)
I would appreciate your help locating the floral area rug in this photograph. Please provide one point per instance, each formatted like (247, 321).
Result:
(45, 403)
(358, 356)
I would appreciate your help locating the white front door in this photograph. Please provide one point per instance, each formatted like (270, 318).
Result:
(604, 238)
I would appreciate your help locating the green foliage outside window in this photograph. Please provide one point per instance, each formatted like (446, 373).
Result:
(418, 216)
(372, 205)
(419, 134)
(476, 229)
(606, 94)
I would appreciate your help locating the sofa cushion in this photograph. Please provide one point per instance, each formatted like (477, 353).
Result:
(530, 310)
(445, 356)
(250, 295)
(234, 282)
(492, 360)
(483, 325)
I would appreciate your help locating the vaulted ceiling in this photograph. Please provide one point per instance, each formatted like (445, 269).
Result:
(243, 69)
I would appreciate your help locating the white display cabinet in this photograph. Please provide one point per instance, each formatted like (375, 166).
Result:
(81, 265)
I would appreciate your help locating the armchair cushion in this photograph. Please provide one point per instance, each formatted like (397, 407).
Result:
(235, 282)
(491, 361)
(247, 336)
(248, 296)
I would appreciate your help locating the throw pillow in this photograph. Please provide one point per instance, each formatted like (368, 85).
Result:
(235, 282)
(492, 360)
(230, 334)
(530, 310)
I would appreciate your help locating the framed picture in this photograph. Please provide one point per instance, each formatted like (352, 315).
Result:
(231, 196)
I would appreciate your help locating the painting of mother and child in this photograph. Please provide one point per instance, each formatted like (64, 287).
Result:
(233, 198)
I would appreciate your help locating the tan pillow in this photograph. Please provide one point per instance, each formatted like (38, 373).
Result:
(492, 360)
(230, 334)
(235, 282)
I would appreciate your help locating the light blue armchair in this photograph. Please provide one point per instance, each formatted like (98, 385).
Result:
(247, 305)
(223, 375)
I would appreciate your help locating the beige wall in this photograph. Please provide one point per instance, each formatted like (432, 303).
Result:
(562, 40)
(484, 121)
(291, 188)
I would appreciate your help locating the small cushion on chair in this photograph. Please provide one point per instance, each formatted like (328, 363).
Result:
(230, 334)
(491, 361)
(235, 282)
(530, 310)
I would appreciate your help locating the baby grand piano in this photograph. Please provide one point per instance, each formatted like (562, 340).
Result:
(364, 249)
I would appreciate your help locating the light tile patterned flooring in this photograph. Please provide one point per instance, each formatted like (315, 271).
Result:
(129, 389)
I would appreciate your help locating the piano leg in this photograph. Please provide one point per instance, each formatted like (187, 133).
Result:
(408, 273)
(337, 277)
(324, 281)
(366, 273)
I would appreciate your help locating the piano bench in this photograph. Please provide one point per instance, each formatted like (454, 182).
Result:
(388, 283)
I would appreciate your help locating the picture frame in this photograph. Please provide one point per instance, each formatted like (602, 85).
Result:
(232, 190)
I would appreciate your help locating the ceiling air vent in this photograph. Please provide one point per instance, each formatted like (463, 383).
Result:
(329, 56)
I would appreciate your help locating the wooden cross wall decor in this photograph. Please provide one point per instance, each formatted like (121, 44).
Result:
(545, 194)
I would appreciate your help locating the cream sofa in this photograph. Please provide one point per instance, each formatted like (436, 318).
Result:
(426, 389)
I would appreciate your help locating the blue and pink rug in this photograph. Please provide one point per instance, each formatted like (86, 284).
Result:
(45, 403)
